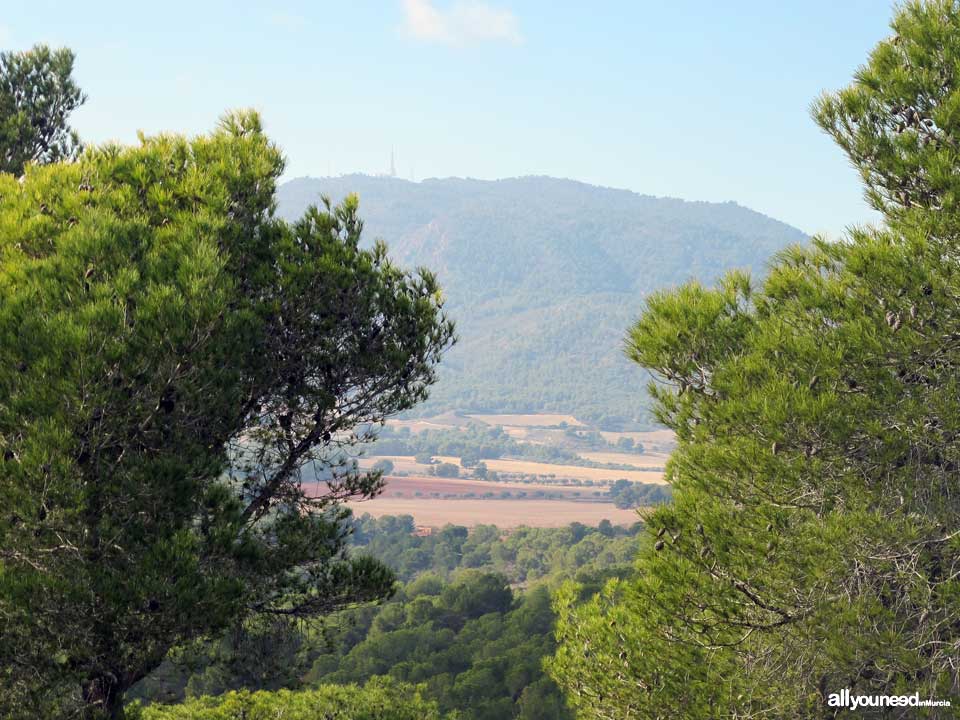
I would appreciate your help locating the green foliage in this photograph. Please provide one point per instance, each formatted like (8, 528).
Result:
(628, 494)
(37, 96)
(472, 645)
(171, 354)
(544, 274)
(523, 555)
(378, 699)
(899, 121)
(476, 644)
(812, 544)
(460, 625)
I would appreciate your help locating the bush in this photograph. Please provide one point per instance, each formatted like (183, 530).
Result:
(385, 466)
(447, 470)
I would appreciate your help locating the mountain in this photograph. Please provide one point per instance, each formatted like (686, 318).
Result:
(545, 275)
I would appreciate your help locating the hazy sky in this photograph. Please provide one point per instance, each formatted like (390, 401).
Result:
(696, 99)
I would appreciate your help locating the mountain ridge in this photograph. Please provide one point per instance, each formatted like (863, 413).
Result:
(544, 275)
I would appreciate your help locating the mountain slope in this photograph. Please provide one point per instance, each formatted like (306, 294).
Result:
(545, 275)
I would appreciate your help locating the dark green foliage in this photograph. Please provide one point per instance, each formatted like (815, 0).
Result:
(476, 648)
(37, 96)
(543, 275)
(477, 645)
(171, 354)
(628, 494)
(813, 543)
(523, 555)
(448, 470)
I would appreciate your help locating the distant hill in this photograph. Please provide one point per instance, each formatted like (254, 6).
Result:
(544, 276)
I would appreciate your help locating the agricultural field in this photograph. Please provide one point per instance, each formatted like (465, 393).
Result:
(655, 439)
(431, 487)
(646, 460)
(575, 473)
(436, 512)
(543, 469)
(571, 472)
(401, 464)
(538, 420)
(445, 421)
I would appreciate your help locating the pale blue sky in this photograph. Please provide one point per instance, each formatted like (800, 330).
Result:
(696, 99)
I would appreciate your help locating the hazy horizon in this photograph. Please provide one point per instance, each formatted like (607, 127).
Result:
(668, 101)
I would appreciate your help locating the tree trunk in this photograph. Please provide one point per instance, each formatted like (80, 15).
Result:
(103, 698)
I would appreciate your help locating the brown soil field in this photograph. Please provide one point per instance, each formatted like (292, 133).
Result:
(502, 513)
(542, 420)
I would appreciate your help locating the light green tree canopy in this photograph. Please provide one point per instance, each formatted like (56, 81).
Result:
(813, 542)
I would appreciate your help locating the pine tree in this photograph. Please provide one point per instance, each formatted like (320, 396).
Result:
(37, 96)
(176, 366)
(813, 541)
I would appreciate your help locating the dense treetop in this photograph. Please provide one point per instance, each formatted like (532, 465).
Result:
(376, 700)
(472, 623)
(37, 96)
(171, 355)
(813, 543)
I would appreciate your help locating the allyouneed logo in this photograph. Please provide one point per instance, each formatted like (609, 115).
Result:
(844, 699)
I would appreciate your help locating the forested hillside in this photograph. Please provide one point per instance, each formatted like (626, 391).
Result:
(543, 275)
